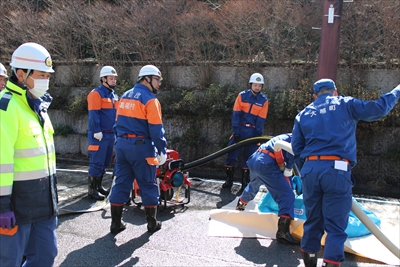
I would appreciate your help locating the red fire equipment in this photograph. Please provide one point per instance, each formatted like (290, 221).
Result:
(170, 175)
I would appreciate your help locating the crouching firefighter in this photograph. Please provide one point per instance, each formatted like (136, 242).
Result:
(140, 147)
(102, 104)
(248, 117)
(265, 169)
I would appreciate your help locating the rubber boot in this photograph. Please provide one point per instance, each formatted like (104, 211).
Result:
(92, 189)
(99, 187)
(310, 259)
(283, 234)
(230, 171)
(327, 264)
(116, 219)
(152, 224)
(245, 181)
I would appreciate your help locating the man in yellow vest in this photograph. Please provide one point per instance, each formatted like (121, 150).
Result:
(28, 193)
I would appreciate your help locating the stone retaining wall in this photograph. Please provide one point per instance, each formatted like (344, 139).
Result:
(191, 77)
(372, 166)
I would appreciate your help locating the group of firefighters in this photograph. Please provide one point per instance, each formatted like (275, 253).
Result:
(131, 125)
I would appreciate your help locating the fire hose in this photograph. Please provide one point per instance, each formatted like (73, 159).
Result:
(355, 209)
(222, 152)
(101, 204)
(279, 145)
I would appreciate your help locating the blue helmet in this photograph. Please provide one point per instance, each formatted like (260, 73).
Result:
(324, 84)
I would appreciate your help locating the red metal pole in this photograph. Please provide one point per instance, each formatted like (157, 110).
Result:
(330, 39)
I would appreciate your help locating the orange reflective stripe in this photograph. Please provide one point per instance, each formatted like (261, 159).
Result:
(131, 108)
(260, 111)
(241, 106)
(269, 153)
(327, 158)
(153, 108)
(93, 147)
(12, 231)
(152, 161)
(106, 103)
(236, 106)
(94, 101)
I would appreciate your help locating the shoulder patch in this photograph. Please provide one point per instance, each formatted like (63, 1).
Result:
(5, 100)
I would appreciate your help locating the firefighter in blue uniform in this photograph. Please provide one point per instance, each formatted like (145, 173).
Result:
(248, 117)
(324, 136)
(264, 169)
(102, 104)
(140, 147)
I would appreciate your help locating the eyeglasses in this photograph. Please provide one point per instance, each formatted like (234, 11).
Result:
(157, 79)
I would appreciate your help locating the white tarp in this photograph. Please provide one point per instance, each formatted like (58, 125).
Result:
(228, 222)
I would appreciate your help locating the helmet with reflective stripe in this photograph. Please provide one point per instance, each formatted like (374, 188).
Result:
(256, 78)
(31, 56)
(3, 71)
(108, 71)
(149, 70)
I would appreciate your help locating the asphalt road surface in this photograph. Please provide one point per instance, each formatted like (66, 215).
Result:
(84, 239)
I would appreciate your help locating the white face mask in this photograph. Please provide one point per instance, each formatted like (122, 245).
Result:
(40, 87)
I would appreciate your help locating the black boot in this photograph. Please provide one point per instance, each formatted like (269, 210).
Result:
(152, 224)
(310, 259)
(99, 186)
(245, 181)
(230, 171)
(116, 220)
(283, 233)
(92, 188)
(327, 264)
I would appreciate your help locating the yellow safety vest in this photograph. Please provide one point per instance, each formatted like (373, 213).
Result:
(28, 161)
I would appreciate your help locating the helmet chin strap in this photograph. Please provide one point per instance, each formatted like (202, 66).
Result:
(255, 93)
(111, 87)
(24, 81)
(154, 90)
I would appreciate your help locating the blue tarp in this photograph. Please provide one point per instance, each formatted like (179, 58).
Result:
(355, 227)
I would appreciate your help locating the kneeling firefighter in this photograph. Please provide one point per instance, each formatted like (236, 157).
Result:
(266, 169)
(102, 106)
(140, 147)
(248, 118)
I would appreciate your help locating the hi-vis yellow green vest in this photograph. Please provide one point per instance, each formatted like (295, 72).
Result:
(27, 162)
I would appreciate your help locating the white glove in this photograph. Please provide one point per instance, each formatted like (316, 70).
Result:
(287, 172)
(161, 159)
(98, 136)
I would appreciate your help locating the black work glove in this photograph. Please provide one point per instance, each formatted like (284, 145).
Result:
(236, 138)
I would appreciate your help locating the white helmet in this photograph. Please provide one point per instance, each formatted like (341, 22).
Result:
(149, 70)
(31, 56)
(108, 71)
(3, 71)
(256, 78)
